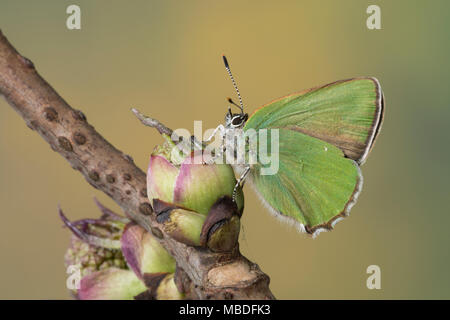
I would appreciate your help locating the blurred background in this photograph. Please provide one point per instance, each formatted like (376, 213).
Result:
(164, 57)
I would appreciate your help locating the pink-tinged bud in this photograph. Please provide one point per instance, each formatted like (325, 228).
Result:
(144, 253)
(187, 182)
(110, 284)
(117, 259)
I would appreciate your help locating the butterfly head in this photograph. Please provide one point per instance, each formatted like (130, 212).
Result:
(235, 120)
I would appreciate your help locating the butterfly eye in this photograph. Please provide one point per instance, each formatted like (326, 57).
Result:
(236, 121)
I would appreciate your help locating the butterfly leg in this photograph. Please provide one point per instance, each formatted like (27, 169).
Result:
(216, 156)
(240, 182)
(220, 128)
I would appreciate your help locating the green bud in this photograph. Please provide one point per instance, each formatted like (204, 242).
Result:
(167, 289)
(187, 182)
(180, 224)
(220, 232)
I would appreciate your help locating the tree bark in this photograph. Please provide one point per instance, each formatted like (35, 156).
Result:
(200, 273)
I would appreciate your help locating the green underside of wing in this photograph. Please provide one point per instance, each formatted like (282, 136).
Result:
(314, 183)
(345, 114)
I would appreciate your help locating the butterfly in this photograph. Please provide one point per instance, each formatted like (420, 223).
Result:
(324, 136)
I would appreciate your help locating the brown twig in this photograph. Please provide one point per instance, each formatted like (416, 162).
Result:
(200, 273)
(153, 123)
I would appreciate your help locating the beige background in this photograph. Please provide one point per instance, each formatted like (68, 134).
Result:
(164, 57)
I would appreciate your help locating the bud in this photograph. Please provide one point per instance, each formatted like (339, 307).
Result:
(95, 243)
(91, 258)
(110, 284)
(224, 235)
(116, 259)
(220, 232)
(188, 183)
(161, 286)
(167, 289)
(180, 224)
(144, 253)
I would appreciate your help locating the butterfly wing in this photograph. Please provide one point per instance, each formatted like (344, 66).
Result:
(346, 113)
(324, 134)
(315, 184)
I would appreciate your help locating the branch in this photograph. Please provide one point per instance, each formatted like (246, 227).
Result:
(153, 123)
(200, 273)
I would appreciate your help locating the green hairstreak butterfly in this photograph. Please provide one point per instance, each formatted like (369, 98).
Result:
(324, 135)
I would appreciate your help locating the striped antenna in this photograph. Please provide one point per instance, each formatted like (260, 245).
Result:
(227, 66)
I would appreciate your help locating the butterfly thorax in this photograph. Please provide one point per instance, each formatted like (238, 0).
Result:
(235, 152)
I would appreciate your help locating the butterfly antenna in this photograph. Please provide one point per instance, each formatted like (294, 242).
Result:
(227, 66)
